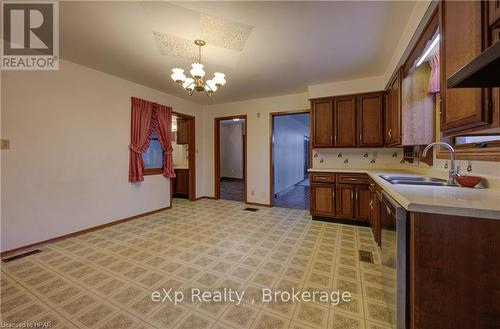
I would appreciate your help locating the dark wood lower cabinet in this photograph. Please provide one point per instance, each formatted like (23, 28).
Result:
(362, 202)
(349, 201)
(181, 183)
(323, 200)
(454, 272)
(345, 201)
(374, 215)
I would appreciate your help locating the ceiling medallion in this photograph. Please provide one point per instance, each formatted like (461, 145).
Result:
(196, 82)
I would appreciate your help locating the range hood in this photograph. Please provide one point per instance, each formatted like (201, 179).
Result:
(482, 72)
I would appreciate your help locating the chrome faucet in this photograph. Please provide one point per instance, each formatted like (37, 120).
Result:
(452, 172)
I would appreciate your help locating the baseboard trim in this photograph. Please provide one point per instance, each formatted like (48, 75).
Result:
(18, 250)
(259, 204)
(340, 221)
(205, 197)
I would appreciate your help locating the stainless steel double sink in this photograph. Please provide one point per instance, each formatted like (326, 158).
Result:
(416, 180)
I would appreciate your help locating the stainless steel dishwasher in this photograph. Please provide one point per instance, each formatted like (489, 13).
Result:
(394, 249)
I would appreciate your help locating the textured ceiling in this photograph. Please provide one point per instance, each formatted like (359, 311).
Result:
(265, 48)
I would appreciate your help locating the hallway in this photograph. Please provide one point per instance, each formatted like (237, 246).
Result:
(297, 197)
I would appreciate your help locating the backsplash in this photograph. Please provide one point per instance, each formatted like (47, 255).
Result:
(466, 167)
(355, 157)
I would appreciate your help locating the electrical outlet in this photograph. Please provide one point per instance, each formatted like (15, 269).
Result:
(258, 115)
(4, 144)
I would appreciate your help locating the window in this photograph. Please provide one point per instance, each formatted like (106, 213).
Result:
(153, 157)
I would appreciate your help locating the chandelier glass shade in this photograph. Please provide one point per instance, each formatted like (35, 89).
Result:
(197, 72)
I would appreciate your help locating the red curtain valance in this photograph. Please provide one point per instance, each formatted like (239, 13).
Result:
(146, 117)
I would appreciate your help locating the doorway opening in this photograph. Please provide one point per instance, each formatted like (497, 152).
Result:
(290, 159)
(183, 144)
(230, 158)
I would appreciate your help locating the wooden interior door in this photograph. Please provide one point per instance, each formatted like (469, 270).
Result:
(322, 123)
(370, 124)
(323, 200)
(345, 201)
(344, 109)
(460, 43)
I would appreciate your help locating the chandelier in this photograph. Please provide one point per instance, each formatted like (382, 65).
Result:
(196, 82)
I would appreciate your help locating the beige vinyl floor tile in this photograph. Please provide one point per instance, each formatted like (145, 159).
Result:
(104, 279)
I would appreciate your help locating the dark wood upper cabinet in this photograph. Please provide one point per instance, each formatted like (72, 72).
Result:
(322, 119)
(323, 201)
(493, 11)
(393, 112)
(370, 120)
(344, 109)
(182, 131)
(463, 30)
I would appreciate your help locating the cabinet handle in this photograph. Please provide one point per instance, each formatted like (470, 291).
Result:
(371, 204)
(321, 178)
(333, 195)
(352, 195)
(357, 194)
(389, 133)
(360, 137)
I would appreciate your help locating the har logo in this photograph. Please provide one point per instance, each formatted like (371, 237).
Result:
(30, 35)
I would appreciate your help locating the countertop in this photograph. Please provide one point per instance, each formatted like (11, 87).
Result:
(457, 201)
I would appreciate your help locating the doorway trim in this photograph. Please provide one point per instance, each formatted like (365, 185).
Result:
(271, 163)
(217, 121)
(191, 157)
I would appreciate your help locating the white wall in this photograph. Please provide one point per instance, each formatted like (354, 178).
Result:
(67, 167)
(288, 151)
(231, 150)
(346, 87)
(258, 131)
(414, 19)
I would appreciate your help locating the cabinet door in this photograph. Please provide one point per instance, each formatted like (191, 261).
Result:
(361, 202)
(322, 123)
(375, 215)
(344, 109)
(345, 201)
(494, 11)
(462, 40)
(370, 125)
(393, 112)
(181, 182)
(182, 131)
(323, 201)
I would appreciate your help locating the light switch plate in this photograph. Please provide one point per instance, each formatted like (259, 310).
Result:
(4, 144)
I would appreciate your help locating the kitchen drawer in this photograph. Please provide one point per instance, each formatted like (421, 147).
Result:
(353, 179)
(323, 178)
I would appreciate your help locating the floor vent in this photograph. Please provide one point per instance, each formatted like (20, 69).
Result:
(366, 256)
(251, 209)
(29, 253)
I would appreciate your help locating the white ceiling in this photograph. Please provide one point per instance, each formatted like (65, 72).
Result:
(290, 46)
